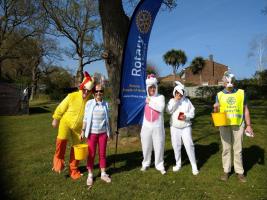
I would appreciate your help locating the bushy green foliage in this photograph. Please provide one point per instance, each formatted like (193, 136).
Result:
(208, 91)
(58, 83)
(166, 90)
(253, 91)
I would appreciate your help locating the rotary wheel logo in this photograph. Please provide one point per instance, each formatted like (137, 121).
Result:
(143, 21)
(231, 100)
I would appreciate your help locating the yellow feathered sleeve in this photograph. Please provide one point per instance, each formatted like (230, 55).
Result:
(62, 108)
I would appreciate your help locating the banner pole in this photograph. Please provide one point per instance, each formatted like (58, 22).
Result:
(116, 148)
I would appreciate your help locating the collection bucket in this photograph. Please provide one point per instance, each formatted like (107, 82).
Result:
(219, 119)
(80, 151)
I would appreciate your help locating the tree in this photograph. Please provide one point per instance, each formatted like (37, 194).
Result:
(56, 80)
(31, 53)
(19, 20)
(76, 20)
(261, 76)
(175, 58)
(197, 66)
(258, 51)
(39, 49)
(152, 69)
(115, 24)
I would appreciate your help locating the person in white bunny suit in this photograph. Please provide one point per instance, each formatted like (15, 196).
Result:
(152, 132)
(181, 110)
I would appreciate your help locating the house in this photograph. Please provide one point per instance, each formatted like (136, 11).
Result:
(211, 74)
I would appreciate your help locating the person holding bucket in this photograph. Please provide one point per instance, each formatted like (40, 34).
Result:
(97, 130)
(68, 117)
(232, 101)
(181, 110)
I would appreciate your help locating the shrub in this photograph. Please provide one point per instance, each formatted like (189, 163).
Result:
(208, 91)
(166, 90)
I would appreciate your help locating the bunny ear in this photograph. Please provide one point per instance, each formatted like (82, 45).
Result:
(179, 84)
(226, 73)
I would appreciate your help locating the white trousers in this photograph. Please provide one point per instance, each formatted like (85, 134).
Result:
(153, 137)
(181, 136)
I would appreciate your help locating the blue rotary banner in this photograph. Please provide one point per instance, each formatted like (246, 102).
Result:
(133, 87)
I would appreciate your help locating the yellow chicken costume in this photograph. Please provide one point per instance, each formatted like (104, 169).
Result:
(69, 116)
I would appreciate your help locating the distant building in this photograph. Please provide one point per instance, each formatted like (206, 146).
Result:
(211, 74)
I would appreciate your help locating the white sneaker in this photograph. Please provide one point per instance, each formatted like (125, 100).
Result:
(143, 169)
(163, 172)
(106, 178)
(176, 168)
(89, 181)
(195, 172)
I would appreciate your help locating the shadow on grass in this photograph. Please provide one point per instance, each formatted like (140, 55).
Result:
(38, 110)
(132, 161)
(251, 156)
(203, 153)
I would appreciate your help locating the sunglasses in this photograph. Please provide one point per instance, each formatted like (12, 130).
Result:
(99, 91)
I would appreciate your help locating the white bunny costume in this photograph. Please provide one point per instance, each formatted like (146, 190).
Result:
(152, 132)
(181, 131)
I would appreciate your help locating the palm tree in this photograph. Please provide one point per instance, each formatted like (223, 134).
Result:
(175, 58)
(197, 66)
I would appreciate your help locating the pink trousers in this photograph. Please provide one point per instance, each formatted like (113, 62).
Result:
(92, 141)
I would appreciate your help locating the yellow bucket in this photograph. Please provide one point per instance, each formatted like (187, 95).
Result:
(80, 151)
(219, 119)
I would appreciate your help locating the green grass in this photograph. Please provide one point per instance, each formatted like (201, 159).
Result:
(28, 144)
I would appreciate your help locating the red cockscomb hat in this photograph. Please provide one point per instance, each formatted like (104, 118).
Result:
(88, 82)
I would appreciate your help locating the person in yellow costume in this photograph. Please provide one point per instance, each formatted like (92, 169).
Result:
(232, 101)
(68, 117)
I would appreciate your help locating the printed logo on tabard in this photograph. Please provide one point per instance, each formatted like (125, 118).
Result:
(143, 21)
(231, 100)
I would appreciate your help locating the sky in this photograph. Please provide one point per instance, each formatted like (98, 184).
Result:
(223, 28)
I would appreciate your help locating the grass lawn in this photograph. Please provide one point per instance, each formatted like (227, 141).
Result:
(28, 144)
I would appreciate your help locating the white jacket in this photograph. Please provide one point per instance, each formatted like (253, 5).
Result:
(175, 107)
(156, 103)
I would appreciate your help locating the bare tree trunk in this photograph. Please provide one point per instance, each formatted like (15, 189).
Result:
(34, 80)
(174, 77)
(114, 26)
(1, 69)
(79, 74)
(34, 83)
